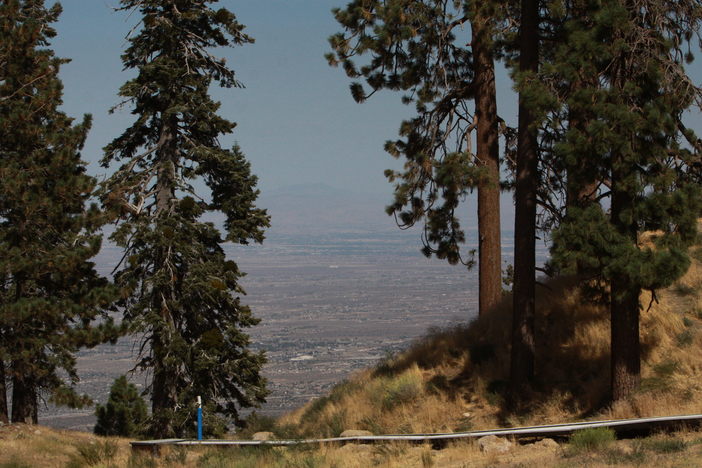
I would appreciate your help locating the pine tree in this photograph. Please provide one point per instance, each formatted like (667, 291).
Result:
(179, 290)
(628, 139)
(124, 414)
(50, 294)
(522, 357)
(421, 47)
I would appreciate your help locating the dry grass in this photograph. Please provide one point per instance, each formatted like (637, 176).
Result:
(455, 380)
(463, 370)
(54, 449)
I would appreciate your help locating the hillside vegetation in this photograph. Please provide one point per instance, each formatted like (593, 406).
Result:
(455, 379)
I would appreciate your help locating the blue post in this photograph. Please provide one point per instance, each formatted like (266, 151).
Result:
(199, 418)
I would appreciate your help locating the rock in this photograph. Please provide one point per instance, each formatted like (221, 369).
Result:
(37, 432)
(494, 444)
(263, 436)
(355, 433)
(546, 444)
(467, 415)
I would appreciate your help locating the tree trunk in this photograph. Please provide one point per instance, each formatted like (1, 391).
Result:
(624, 309)
(4, 415)
(488, 156)
(626, 361)
(523, 312)
(163, 399)
(24, 401)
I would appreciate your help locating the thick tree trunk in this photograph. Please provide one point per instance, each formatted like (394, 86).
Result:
(488, 156)
(523, 313)
(24, 402)
(4, 415)
(626, 349)
(624, 309)
(163, 398)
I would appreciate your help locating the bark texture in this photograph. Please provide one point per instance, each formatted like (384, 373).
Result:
(624, 307)
(4, 414)
(24, 402)
(523, 313)
(489, 234)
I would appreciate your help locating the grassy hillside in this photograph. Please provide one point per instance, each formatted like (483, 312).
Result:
(454, 380)
(36, 447)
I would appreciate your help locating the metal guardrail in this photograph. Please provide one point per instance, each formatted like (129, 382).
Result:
(552, 430)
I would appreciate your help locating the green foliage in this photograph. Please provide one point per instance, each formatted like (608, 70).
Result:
(685, 338)
(422, 49)
(124, 414)
(256, 422)
(400, 390)
(52, 300)
(620, 159)
(590, 440)
(179, 289)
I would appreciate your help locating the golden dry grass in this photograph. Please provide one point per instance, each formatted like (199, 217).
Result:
(463, 370)
(454, 380)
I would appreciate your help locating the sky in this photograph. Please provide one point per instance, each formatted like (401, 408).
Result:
(296, 120)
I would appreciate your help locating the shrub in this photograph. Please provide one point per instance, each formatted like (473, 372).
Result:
(685, 338)
(592, 439)
(402, 389)
(254, 423)
(125, 412)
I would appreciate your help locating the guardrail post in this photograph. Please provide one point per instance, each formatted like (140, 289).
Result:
(199, 418)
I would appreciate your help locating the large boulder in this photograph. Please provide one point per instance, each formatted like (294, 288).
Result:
(494, 444)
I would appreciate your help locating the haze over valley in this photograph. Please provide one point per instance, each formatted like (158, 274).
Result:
(337, 286)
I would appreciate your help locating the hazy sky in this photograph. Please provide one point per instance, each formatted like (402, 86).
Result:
(297, 122)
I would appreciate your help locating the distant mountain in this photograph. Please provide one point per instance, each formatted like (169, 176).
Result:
(315, 209)
(320, 209)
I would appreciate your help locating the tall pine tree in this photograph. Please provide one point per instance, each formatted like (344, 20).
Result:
(526, 181)
(423, 47)
(628, 139)
(179, 290)
(50, 293)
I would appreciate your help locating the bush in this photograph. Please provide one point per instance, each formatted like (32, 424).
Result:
(254, 423)
(592, 439)
(402, 389)
(125, 412)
